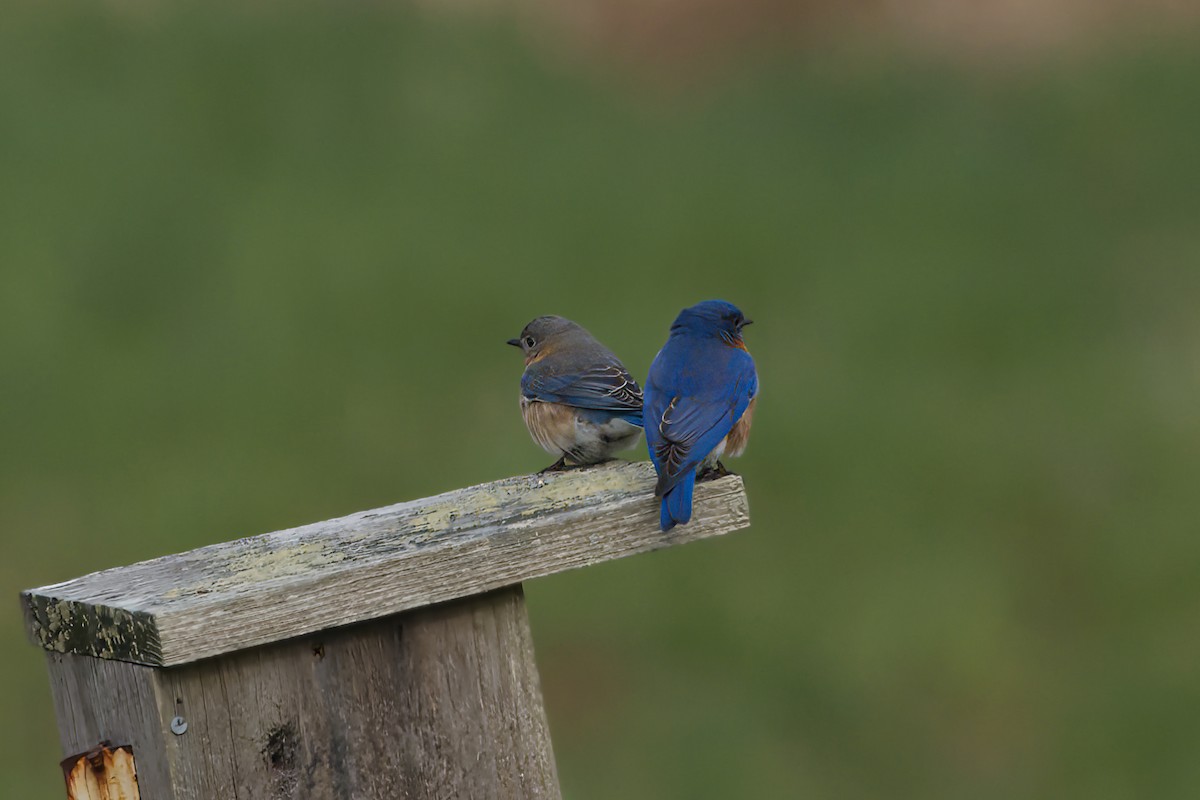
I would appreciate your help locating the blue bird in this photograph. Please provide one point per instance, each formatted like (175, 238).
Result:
(700, 397)
(578, 400)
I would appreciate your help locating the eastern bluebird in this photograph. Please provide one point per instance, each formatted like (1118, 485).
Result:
(700, 397)
(578, 400)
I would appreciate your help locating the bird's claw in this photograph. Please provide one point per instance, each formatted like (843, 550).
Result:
(718, 470)
(557, 466)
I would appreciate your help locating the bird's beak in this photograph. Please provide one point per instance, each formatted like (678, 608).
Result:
(746, 322)
(515, 342)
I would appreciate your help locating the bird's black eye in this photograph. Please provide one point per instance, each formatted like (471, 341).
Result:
(529, 341)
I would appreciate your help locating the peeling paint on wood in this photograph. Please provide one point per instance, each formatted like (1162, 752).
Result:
(105, 773)
(268, 588)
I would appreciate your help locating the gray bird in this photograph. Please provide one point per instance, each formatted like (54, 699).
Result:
(578, 400)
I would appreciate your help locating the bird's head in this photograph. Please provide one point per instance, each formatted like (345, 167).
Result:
(713, 318)
(543, 335)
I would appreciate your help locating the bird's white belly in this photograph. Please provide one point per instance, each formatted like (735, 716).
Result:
(598, 441)
(712, 458)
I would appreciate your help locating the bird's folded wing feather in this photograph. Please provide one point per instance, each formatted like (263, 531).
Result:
(605, 388)
(691, 425)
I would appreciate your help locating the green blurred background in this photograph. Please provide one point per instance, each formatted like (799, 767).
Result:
(257, 268)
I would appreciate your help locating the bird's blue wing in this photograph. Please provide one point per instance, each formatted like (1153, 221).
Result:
(689, 411)
(605, 388)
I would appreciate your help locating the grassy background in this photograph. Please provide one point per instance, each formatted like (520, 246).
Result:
(257, 269)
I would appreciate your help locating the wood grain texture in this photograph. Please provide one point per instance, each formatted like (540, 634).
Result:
(97, 700)
(263, 589)
(439, 702)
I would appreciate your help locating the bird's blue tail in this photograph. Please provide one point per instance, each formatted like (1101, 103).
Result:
(677, 503)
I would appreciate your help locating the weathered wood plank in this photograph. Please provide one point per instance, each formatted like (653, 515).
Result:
(437, 702)
(268, 588)
(97, 700)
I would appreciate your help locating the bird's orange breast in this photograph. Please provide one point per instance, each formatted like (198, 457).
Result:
(739, 434)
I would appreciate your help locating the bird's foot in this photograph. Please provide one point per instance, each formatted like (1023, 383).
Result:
(557, 466)
(717, 470)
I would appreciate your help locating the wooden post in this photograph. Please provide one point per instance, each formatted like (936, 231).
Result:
(386, 654)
